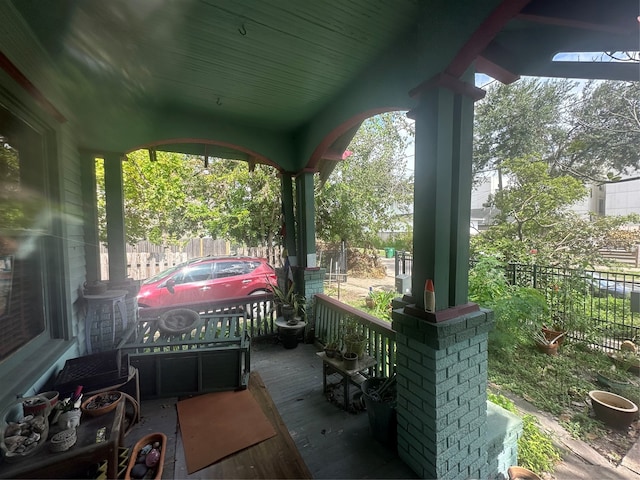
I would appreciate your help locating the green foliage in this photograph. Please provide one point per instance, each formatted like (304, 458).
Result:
(536, 450)
(536, 225)
(603, 142)
(487, 282)
(175, 198)
(591, 134)
(519, 312)
(401, 242)
(566, 378)
(371, 189)
(518, 120)
(582, 426)
(382, 304)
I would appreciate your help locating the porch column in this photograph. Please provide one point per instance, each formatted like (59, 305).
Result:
(442, 195)
(89, 207)
(306, 214)
(286, 187)
(442, 355)
(114, 197)
(310, 278)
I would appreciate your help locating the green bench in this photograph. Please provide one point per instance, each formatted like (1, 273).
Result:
(175, 357)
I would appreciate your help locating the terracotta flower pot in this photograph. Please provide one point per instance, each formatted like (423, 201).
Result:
(520, 473)
(612, 409)
(550, 334)
(549, 349)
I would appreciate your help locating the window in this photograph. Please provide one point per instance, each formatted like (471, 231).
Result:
(229, 269)
(195, 273)
(25, 234)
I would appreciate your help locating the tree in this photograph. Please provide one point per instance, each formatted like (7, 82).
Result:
(591, 133)
(164, 199)
(527, 118)
(604, 141)
(535, 222)
(368, 191)
(249, 202)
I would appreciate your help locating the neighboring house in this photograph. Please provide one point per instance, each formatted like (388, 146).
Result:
(621, 198)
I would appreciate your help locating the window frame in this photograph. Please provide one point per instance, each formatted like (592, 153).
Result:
(28, 366)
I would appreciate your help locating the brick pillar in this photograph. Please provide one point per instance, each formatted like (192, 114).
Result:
(313, 283)
(442, 383)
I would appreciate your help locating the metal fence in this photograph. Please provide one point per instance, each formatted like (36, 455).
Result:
(602, 308)
(598, 307)
(335, 263)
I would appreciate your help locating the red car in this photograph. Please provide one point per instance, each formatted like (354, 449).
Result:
(209, 278)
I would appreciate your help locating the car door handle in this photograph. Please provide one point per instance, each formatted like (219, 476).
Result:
(205, 288)
(246, 281)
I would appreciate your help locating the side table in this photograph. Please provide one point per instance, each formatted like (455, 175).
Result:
(86, 452)
(289, 333)
(348, 377)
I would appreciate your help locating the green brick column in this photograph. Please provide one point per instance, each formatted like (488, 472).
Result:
(442, 383)
(313, 284)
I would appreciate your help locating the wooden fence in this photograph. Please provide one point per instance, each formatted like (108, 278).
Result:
(628, 257)
(145, 259)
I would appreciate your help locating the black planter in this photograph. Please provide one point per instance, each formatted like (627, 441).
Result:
(383, 423)
(289, 338)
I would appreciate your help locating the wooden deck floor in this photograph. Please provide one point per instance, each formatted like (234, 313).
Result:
(332, 442)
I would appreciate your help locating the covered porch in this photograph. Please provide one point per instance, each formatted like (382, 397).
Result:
(332, 442)
(284, 84)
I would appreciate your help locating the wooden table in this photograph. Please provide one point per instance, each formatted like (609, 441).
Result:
(85, 453)
(348, 377)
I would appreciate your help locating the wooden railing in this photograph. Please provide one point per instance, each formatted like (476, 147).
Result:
(258, 315)
(329, 315)
(258, 312)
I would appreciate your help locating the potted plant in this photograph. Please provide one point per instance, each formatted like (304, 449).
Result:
(545, 344)
(354, 338)
(291, 305)
(615, 379)
(332, 349)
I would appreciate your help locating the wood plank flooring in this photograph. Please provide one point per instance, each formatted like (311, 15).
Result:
(333, 443)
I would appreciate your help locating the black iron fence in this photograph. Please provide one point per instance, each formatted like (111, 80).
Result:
(602, 308)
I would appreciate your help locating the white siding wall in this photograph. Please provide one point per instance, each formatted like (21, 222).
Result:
(623, 198)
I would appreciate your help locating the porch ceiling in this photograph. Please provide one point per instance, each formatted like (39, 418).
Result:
(279, 81)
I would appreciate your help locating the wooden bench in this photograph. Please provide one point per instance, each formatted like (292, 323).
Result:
(214, 355)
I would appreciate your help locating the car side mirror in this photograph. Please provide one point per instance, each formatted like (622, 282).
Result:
(170, 284)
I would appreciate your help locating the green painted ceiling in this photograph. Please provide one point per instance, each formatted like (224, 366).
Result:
(279, 81)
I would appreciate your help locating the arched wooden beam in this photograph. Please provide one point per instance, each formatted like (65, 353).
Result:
(481, 38)
(253, 156)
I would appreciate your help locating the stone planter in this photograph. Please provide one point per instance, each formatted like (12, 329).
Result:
(614, 410)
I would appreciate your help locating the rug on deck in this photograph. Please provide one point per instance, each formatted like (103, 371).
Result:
(215, 425)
